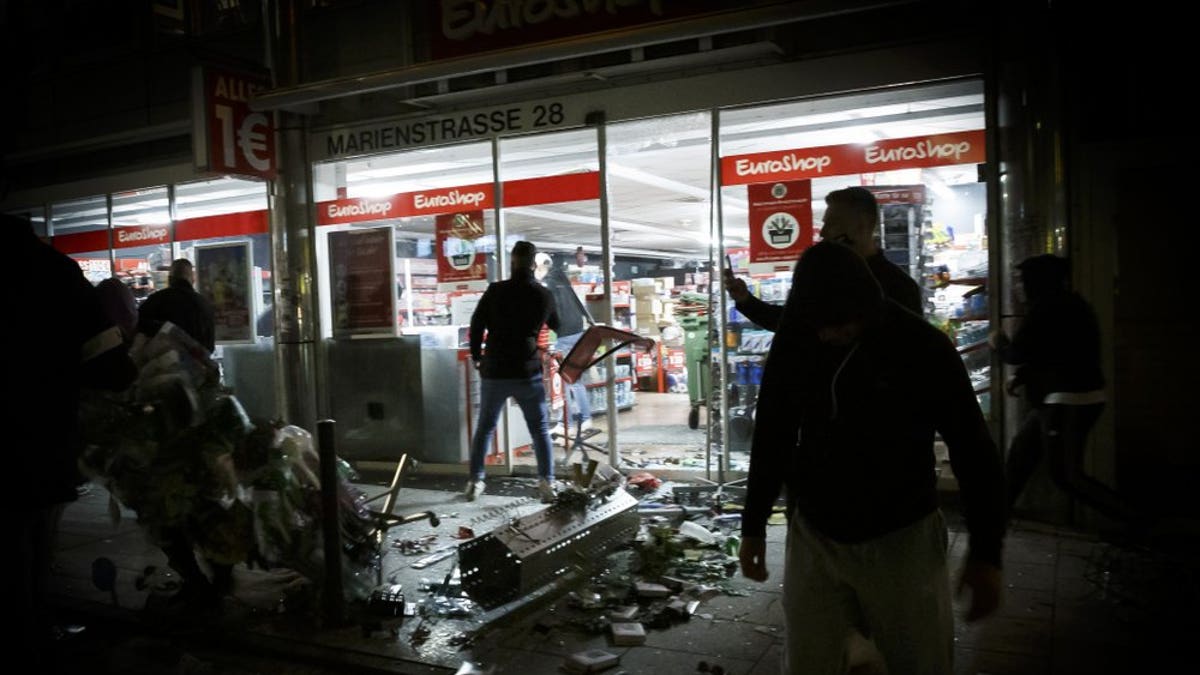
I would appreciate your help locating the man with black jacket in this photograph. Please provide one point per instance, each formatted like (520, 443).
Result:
(512, 313)
(854, 390)
(851, 218)
(180, 304)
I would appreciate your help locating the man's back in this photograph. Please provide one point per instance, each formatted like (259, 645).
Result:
(180, 304)
(512, 312)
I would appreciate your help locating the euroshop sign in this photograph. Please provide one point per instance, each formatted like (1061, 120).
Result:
(525, 192)
(227, 136)
(965, 147)
(128, 236)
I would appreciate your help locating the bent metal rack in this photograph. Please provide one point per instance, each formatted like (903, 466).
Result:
(524, 554)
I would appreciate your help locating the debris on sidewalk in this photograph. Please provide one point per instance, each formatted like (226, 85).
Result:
(591, 661)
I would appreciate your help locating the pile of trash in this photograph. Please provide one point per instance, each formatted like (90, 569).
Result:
(179, 450)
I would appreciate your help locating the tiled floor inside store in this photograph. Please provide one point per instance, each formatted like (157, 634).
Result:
(1073, 605)
(654, 434)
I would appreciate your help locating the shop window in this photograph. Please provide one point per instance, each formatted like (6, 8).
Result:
(222, 226)
(917, 150)
(79, 228)
(141, 239)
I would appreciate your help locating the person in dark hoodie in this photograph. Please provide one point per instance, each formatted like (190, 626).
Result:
(851, 218)
(854, 390)
(511, 313)
(1056, 349)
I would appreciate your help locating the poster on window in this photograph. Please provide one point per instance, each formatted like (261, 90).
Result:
(780, 220)
(223, 277)
(363, 281)
(458, 259)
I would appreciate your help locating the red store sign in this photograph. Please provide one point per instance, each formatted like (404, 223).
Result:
(128, 236)
(781, 224)
(229, 137)
(526, 192)
(965, 147)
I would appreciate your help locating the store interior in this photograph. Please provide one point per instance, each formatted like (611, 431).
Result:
(667, 222)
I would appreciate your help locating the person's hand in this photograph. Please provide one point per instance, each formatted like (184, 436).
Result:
(752, 554)
(736, 287)
(476, 363)
(985, 581)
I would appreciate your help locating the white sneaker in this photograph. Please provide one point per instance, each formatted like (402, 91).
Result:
(586, 424)
(473, 490)
(546, 491)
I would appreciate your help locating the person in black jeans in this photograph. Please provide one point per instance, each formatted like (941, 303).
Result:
(511, 313)
(1056, 349)
(851, 218)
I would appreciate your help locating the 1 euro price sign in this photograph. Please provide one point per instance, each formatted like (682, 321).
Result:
(230, 138)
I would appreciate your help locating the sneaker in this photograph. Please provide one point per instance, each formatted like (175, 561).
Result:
(474, 489)
(586, 424)
(546, 491)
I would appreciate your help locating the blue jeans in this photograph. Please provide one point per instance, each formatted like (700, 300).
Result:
(577, 395)
(531, 396)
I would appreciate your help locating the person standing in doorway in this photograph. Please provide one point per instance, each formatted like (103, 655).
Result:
(573, 319)
(180, 304)
(853, 393)
(851, 218)
(510, 315)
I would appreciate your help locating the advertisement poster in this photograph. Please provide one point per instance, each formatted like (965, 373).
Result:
(363, 281)
(780, 220)
(457, 257)
(223, 277)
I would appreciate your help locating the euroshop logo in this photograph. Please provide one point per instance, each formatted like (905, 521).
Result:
(359, 208)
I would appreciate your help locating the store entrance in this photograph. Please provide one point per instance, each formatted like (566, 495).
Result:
(639, 408)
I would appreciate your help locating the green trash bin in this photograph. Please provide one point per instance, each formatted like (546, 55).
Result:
(696, 354)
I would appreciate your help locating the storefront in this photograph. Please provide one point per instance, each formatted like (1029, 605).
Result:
(638, 190)
(640, 194)
(220, 224)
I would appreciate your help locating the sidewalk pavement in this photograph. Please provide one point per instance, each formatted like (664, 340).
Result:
(1073, 604)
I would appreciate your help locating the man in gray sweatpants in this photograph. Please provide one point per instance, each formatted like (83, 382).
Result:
(854, 390)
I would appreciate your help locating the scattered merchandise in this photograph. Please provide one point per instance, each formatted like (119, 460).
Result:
(628, 634)
(591, 661)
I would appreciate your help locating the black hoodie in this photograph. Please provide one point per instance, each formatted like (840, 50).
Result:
(850, 430)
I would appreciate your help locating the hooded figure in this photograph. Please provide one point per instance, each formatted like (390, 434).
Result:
(1056, 348)
(854, 390)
